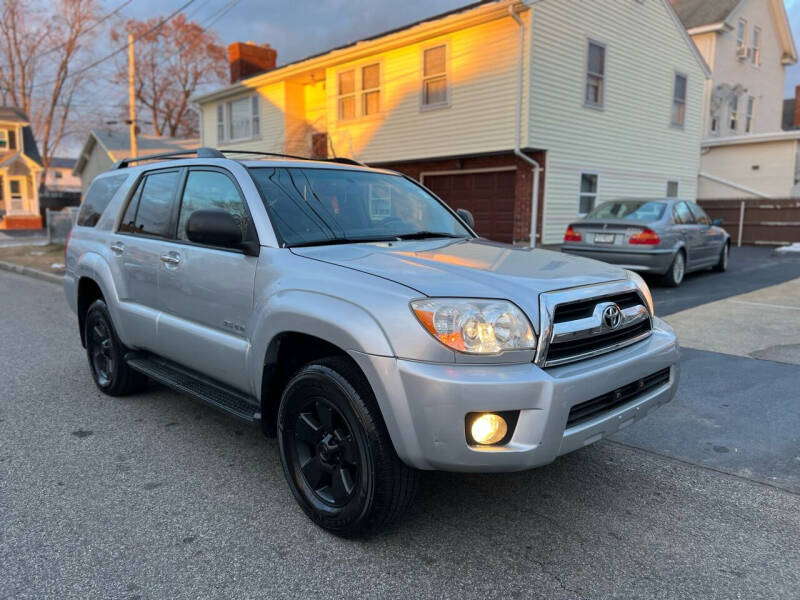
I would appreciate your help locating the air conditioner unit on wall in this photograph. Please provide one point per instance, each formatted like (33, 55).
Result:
(743, 52)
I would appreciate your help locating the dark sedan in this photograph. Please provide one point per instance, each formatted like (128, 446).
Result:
(667, 237)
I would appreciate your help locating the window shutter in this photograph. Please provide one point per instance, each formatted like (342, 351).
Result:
(12, 139)
(220, 122)
(256, 120)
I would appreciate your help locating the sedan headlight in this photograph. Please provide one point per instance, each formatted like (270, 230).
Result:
(475, 326)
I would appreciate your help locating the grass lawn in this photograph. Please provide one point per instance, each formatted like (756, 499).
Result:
(49, 258)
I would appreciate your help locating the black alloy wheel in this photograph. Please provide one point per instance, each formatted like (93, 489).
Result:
(327, 452)
(105, 352)
(336, 453)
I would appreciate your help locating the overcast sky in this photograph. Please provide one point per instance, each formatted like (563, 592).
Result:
(300, 28)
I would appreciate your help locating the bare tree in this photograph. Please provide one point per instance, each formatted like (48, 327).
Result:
(172, 63)
(39, 49)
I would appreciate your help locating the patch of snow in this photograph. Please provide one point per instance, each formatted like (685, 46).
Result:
(791, 248)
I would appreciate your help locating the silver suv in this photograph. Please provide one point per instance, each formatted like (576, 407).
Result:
(351, 313)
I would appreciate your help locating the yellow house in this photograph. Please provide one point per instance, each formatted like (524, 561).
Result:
(526, 113)
(20, 166)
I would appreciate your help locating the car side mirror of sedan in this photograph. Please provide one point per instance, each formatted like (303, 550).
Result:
(466, 216)
(717, 222)
(214, 228)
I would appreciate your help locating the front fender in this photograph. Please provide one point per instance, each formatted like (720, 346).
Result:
(342, 323)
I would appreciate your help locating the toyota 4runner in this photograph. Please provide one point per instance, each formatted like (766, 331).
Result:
(351, 313)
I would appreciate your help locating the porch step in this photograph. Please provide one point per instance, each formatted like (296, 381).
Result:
(196, 385)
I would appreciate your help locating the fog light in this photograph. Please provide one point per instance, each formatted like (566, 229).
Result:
(489, 429)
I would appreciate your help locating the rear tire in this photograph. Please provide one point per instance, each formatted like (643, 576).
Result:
(110, 372)
(336, 452)
(722, 264)
(674, 276)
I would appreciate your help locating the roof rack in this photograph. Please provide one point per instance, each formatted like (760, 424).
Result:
(204, 152)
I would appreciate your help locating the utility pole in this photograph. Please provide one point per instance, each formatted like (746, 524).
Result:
(132, 94)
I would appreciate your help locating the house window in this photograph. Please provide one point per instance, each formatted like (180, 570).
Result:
(679, 101)
(734, 112)
(220, 123)
(748, 122)
(756, 51)
(588, 194)
(347, 95)
(672, 188)
(595, 74)
(740, 34)
(370, 89)
(243, 119)
(3, 139)
(434, 76)
(714, 124)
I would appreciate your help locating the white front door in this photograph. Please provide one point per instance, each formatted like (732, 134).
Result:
(16, 185)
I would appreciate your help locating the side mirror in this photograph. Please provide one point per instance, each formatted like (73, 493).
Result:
(214, 228)
(717, 222)
(466, 216)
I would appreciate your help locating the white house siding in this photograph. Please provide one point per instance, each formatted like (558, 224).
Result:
(774, 174)
(764, 82)
(273, 117)
(630, 143)
(482, 76)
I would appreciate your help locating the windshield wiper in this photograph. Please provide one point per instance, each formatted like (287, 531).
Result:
(421, 235)
(345, 240)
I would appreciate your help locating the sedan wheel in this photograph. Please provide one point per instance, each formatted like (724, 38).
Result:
(677, 270)
(722, 264)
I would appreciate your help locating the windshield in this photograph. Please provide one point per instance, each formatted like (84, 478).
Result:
(323, 206)
(633, 210)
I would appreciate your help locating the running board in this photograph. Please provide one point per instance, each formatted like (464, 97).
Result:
(193, 384)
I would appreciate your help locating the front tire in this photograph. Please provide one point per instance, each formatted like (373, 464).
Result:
(110, 372)
(336, 452)
(677, 270)
(722, 264)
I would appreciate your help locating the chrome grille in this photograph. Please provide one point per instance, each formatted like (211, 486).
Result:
(584, 322)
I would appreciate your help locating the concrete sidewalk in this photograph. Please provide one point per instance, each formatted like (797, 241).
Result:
(764, 324)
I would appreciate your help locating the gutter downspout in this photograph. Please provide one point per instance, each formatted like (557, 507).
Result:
(536, 167)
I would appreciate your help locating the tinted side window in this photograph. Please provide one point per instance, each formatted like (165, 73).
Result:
(682, 214)
(97, 198)
(155, 203)
(211, 190)
(699, 214)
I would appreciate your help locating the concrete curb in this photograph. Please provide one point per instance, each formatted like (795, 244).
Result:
(30, 272)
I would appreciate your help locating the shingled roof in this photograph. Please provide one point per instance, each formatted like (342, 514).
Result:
(696, 13)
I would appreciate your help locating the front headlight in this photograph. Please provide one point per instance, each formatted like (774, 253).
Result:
(475, 326)
(642, 285)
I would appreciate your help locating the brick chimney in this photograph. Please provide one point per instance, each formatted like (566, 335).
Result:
(247, 58)
(796, 117)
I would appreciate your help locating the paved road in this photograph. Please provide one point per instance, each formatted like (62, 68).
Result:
(750, 268)
(155, 496)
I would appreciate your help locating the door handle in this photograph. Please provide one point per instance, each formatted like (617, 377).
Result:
(117, 248)
(171, 259)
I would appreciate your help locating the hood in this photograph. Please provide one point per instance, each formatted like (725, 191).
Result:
(474, 268)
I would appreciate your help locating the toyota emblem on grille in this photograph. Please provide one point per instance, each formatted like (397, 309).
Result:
(612, 316)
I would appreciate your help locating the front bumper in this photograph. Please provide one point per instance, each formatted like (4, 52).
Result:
(655, 261)
(424, 404)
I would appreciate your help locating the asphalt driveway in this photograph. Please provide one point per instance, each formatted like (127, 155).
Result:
(156, 496)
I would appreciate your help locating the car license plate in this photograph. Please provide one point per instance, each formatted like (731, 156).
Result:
(603, 238)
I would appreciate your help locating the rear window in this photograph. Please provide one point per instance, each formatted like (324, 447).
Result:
(629, 210)
(97, 198)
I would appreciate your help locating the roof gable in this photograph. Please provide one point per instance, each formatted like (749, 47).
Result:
(697, 13)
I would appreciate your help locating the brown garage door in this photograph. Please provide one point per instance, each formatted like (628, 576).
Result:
(489, 196)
